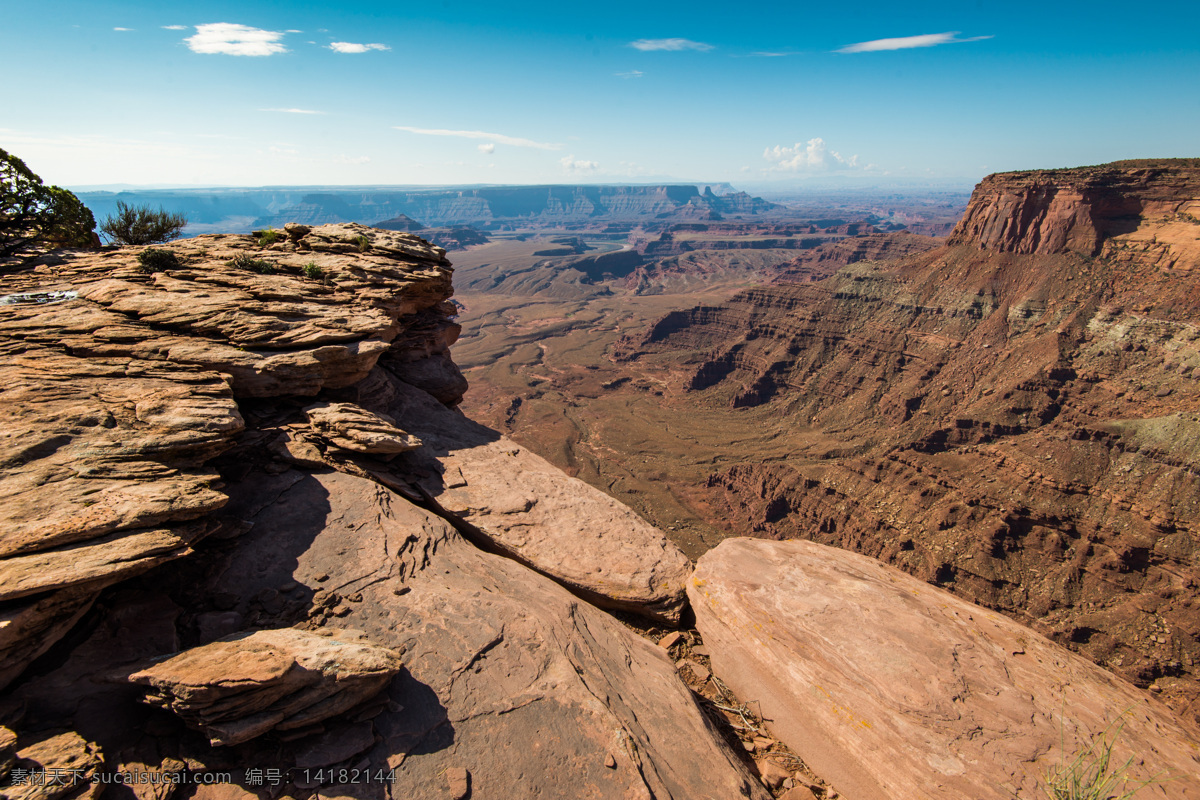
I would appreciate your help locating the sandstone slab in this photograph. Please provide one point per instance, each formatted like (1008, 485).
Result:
(507, 675)
(889, 687)
(246, 684)
(352, 428)
(522, 506)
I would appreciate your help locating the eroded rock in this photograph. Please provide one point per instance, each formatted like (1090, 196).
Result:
(525, 508)
(246, 684)
(889, 687)
(507, 675)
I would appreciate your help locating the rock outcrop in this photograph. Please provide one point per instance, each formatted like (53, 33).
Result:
(1015, 425)
(246, 684)
(246, 530)
(1077, 210)
(889, 687)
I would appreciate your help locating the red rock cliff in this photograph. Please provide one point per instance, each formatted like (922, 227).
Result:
(1051, 211)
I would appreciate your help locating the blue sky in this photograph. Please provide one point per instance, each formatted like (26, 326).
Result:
(270, 93)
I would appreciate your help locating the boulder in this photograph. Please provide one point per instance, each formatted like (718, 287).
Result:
(890, 687)
(349, 427)
(247, 684)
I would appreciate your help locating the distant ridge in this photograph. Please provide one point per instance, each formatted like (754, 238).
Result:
(241, 210)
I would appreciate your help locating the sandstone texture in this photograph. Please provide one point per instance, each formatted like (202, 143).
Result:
(889, 687)
(246, 530)
(1013, 422)
(517, 504)
(244, 685)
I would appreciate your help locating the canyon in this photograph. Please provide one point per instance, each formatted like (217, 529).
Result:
(251, 531)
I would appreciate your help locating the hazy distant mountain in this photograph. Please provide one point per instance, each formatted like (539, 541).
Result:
(489, 207)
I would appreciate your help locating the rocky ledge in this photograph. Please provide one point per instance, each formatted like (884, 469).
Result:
(241, 514)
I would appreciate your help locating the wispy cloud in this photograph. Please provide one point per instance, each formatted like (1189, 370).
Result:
(633, 73)
(810, 156)
(500, 138)
(908, 42)
(174, 27)
(292, 110)
(352, 47)
(353, 160)
(766, 54)
(570, 165)
(229, 39)
(122, 29)
(487, 148)
(669, 44)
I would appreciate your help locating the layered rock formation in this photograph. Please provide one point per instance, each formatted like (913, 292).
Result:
(889, 687)
(243, 518)
(1014, 424)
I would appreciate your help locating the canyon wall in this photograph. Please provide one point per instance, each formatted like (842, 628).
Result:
(1013, 416)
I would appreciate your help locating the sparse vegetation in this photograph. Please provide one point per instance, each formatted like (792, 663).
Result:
(364, 244)
(32, 213)
(251, 264)
(134, 225)
(312, 271)
(1091, 774)
(268, 237)
(158, 260)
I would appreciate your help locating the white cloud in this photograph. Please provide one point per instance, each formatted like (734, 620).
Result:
(515, 141)
(908, 42)
(352, 47)
(292, 110)
(635, 73)
(669, 44)
(487, 148)
(229, 39)
(569, 164)
(122, 29)
(174, 27)
(811, 156)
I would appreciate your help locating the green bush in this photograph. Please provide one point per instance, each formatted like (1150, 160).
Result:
(268, 237)
(33, 214)
(157, 260)
(312, 271)
(142, 225)
(364, 244)
(248, 262)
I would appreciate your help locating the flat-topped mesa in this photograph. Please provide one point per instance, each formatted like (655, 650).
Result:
(1052, 211)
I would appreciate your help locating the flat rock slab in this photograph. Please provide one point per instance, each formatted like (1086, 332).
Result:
(529, 510)
(890, 687)
(507, 676)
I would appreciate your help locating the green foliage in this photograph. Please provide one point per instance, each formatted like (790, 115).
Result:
(268, 237)
(364, 244)
(142, 225)
(1092, 775)
(158, 260)
(250, 263)
(312, 271)
(33, 214)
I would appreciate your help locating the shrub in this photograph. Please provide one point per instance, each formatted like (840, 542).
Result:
(268, 237)
(142, 225)
(157, 260)
(312, 271)
(364, 244)
(32, 213)
(248, 262)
